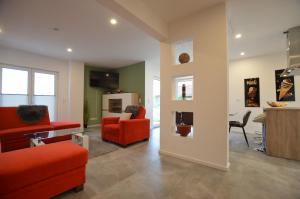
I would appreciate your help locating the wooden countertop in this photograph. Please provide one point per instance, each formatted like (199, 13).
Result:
(282, 108)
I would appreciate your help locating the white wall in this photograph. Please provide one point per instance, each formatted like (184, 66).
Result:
(76, 91)
(209, 145)
(68, 89)
(263, 67)
(152, 71)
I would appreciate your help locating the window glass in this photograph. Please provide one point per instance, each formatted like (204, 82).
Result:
(14, 81)
(44, 84)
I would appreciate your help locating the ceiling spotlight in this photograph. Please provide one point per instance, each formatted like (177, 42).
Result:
(238, 36)
(69, 50)
(242, 53)
(113, 21)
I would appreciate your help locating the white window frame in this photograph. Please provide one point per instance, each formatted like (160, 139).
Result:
(30, 89)
(34, 70)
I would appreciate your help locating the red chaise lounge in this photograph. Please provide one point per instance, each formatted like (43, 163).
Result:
(126, 131)
(12, 128)
(42, 172)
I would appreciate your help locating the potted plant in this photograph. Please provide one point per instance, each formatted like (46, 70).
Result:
(86, 114)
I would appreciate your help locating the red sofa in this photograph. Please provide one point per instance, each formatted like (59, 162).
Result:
(42, 172)
(126, 131)
(12, 128)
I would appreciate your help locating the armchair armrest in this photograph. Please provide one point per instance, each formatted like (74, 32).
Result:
(110, 120)
(134, 129)
(133, 122)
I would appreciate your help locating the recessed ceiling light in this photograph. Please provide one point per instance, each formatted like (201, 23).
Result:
(69, 50)
(0, 30)
(113, 21)
(238, 36)
(242, 53)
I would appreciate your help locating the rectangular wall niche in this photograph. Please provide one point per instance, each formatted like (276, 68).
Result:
(183, 47)
(183, 123)
(183, 88)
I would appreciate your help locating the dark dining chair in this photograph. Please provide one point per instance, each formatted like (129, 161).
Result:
(185, 117)
(241, 125)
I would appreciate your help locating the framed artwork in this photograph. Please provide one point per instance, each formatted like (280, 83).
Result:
(285, 87)
(252, 95)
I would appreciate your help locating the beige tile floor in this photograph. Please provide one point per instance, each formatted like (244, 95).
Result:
(138, 171)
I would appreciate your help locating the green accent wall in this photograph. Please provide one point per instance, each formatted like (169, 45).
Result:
(131, 80)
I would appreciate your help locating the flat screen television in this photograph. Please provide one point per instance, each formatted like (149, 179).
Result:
(107, 80)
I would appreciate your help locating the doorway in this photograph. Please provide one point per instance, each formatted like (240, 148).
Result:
(156, 103)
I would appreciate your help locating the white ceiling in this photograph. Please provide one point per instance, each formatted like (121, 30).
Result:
(170, 10)
(84, 26)
(262, 23)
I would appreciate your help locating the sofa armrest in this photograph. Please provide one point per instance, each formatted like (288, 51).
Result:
(109, 120)
(57, 125)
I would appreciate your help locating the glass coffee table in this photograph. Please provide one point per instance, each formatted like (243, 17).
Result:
(77, 135)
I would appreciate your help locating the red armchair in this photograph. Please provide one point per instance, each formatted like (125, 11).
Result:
(126, 131)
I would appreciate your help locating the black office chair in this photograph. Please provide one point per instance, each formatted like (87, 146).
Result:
(241, 125)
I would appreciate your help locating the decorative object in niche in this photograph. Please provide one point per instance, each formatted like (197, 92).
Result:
(183, 91)
(276, 104)
(183, 129)
(183, 88)
(184, 58)
(183, 51)
(252, 92)
(285, 87)
(184, 123)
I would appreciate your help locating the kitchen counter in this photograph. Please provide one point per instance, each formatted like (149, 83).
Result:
(283, 132)
(282, 108)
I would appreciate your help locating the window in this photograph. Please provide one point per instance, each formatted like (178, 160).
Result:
(156, 103)
(44, 84)
(14, 87)
(44, 91)
(22, 86)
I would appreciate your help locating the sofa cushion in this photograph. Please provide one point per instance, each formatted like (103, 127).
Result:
(28, 166)
(134, 109)
(31, 114)
(13, 120)
(16, 132)
(125, 116)
(112, 128)
(57, 125)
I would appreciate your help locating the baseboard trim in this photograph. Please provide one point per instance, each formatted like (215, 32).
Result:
(197, 161)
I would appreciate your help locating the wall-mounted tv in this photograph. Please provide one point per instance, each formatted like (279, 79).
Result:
(107, 80)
